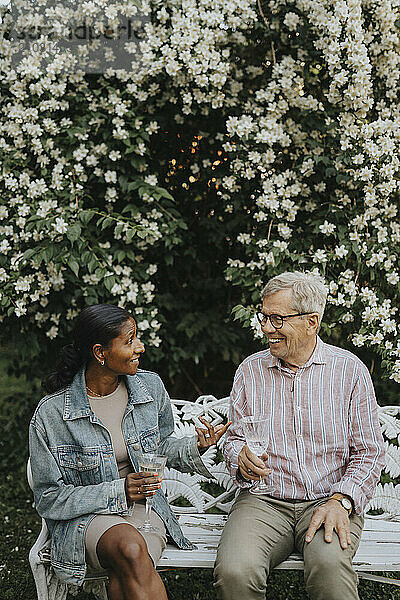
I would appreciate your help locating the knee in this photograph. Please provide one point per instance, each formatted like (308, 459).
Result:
(328, 566)
(328, 559)
(240, 574)
(132, 555)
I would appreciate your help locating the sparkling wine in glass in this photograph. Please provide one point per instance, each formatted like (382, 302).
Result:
(255, 431)
(150, 463)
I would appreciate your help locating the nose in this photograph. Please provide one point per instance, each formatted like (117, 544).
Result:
(267, 326)
(139, 346)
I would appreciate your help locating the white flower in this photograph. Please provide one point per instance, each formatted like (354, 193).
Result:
(280, 244)
(52, 332)
(393, 277)
(60, 225)
(341, 251)
(114, 155)
(320, 256)
(359, 340)
(376, 338)
(151, 179)
(291, 21)
(327, 227)
(110, 176)
(256, 326)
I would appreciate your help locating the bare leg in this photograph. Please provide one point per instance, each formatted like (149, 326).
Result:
(114, 590)
(123, 551)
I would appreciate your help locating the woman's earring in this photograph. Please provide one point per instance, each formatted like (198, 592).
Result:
(102, 362)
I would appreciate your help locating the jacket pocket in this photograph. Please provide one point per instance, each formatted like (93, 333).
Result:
(149, 440)
(79, 466)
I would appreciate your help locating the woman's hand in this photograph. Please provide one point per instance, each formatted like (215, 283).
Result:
(141, 485)
(210, 436)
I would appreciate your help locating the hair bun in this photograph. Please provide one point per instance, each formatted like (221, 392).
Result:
(68, 365)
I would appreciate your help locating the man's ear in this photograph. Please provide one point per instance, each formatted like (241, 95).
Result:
(313, 322)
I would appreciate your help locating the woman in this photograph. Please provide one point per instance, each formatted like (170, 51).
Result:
(85, 439)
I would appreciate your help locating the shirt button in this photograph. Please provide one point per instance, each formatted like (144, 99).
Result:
(136, 446)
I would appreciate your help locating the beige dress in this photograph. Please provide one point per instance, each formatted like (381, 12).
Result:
(110, 410)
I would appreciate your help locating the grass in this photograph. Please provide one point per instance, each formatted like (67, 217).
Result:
(20, 524)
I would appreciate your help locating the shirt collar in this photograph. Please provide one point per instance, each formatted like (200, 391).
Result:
(318, 357)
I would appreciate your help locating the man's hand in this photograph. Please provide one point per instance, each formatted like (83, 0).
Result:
(333, 517)
(251, 466)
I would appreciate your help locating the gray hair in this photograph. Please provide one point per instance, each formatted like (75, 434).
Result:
(309, 290)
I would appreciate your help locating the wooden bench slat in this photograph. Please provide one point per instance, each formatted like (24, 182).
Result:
(380, 545)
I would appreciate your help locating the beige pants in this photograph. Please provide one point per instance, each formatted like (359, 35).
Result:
(261, 532)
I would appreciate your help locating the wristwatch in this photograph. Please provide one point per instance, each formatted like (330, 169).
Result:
(344, 501)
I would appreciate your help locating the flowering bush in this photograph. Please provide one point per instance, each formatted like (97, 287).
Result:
(247, 136)
(316, 147)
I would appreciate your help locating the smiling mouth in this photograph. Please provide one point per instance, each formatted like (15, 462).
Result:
(135, 360)
(273, 341)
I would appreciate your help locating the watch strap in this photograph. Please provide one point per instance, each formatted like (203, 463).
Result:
(340, 497)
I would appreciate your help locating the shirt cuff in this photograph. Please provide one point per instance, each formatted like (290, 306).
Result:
(198, 465)
(117, 502)
(242, 481)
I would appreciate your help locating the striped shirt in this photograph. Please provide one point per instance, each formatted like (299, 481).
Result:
(324, 433)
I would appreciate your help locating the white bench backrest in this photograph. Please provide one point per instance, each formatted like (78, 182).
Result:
(200, 495)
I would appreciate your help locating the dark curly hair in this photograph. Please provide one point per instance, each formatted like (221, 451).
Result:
(96, 324)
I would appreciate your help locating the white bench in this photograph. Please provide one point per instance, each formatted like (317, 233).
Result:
(380, 542)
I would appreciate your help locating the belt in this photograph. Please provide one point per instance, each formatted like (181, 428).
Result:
(290, 500)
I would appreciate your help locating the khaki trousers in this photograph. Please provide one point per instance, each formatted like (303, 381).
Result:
(261, 532)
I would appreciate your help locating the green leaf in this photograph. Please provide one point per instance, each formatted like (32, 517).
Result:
(120, 255)
(74, 232)
(107, 222)
(86, 215)
(29, 253)
(163, 192)
(48, 253)
(118, 229)
(134, 185)
(130, 234)
(92, 264)
(109, 282)
(73, 265)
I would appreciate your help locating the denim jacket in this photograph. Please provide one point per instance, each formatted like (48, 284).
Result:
(75, 474)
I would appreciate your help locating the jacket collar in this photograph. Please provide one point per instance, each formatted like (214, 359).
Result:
(76, 402)
(318, 357)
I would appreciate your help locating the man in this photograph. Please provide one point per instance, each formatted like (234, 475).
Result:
(325, 451)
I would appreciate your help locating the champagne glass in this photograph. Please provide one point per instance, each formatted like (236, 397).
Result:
(153, 463)
(255, 431)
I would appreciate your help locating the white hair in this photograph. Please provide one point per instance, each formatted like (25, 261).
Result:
(309, 291)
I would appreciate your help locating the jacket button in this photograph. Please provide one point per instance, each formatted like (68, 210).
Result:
(136, 446)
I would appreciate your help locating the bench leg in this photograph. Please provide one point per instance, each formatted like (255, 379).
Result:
(379, 578)
(40, 578)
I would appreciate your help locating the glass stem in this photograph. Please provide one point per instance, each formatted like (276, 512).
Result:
(149, 504)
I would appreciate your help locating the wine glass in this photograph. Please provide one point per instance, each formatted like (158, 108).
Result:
(255, 431)
(153, 463)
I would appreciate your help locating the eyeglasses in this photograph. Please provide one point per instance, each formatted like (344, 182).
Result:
(277, 320)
